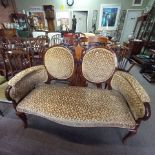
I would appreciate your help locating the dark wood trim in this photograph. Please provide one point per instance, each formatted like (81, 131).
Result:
(21, 115)
(147, 111)
(133, 131)
(1, 113)
(7, 93)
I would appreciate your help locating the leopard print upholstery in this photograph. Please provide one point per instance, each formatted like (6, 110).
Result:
(2, 79)
(25, 81)
(78, 106)
(2, 92)
(134, 93)
(98, 65)
(59, 62)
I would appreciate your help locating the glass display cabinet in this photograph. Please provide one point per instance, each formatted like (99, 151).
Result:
(139, 27)
(21, 24)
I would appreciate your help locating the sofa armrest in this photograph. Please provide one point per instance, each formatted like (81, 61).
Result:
(23, 82)
(133, 92)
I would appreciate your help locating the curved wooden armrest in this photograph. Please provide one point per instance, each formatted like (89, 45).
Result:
(147, 111)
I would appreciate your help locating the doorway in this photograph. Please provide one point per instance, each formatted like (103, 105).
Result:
(81, 18)
(129, 24)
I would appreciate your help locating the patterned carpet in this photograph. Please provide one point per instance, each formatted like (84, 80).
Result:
(44, 137)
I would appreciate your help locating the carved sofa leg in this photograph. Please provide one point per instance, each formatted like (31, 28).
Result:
(146, 117)
(23, 117)
(131, 133)
(1, 113)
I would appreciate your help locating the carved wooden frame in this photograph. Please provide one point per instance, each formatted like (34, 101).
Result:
(131, 132)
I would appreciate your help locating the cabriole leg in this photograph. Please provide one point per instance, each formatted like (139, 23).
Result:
(1, 113)
(23, 117)
(131, 133)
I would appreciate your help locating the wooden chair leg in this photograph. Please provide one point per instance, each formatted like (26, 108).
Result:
(131, 133)
(23, 117)
(1, 113)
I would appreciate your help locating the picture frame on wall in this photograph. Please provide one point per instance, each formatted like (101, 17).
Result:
(36, 16)
(137, 2)
(109, 15)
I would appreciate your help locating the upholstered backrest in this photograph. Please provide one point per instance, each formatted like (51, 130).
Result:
(59, 62)
(98, 65)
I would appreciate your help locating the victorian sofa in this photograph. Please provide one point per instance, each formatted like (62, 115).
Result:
(124, 105)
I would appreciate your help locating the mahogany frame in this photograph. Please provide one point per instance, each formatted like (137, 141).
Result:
(131, 132)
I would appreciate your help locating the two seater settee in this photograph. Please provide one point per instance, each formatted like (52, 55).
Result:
(125, 105)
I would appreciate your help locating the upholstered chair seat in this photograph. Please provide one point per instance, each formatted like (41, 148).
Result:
(77, 106)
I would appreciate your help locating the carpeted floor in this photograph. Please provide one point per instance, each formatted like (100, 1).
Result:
(44, 137)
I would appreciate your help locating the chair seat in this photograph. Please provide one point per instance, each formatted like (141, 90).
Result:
(78, 106)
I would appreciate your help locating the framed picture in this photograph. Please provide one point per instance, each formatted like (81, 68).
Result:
(137, 2)
(109, 15)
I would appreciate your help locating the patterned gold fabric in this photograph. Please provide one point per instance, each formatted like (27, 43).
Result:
(24, 73)
(26, 80)
(2, 92)
(78, 106)
(2, 79)
(134, 93)
(59, 62)
(98, 65)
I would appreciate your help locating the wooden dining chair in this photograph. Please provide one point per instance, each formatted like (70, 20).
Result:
(44, 40)
(36, 48)
(17, 60)
(124, 61)
(56, 40)
(3, 70)
(12, 43)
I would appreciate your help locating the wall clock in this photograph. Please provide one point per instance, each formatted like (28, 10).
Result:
(70, 2)
(5, 3)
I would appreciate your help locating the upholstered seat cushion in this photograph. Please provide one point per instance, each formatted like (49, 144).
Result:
(78, 106)
(2, 79)
(2, 92)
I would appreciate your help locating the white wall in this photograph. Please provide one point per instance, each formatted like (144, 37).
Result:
(83, 5)
(150, 3)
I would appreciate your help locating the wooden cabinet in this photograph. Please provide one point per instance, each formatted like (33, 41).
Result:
(49, 13)
(145, 30)
(22, 25)
(149, 29)
(135, 46)
(21, 19)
